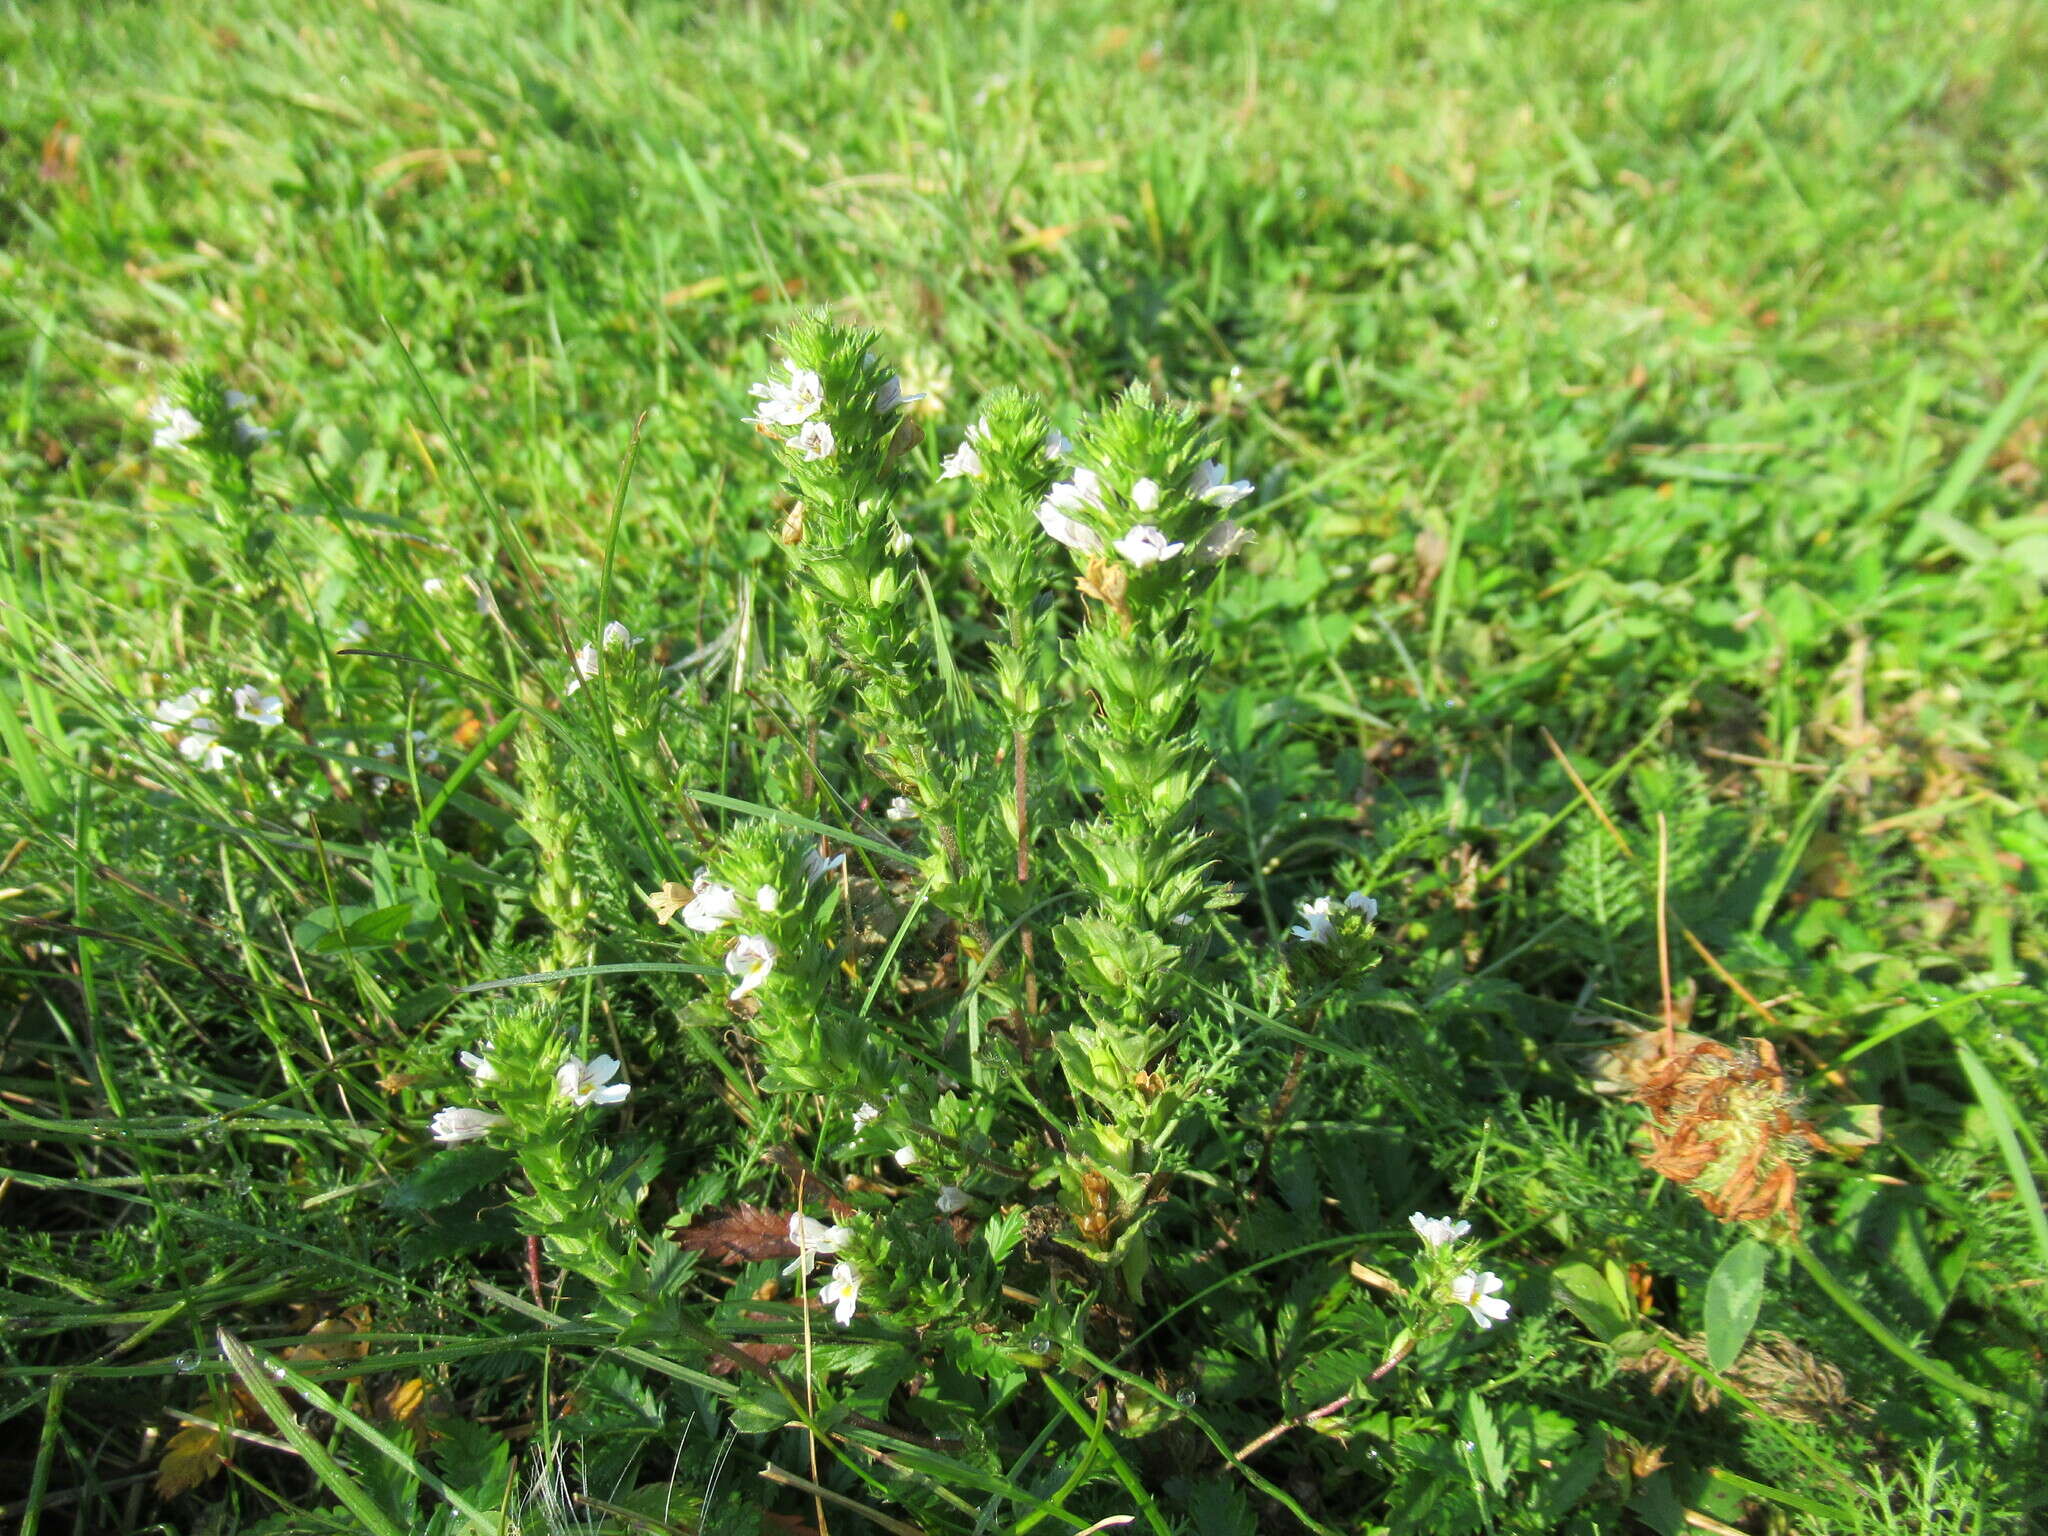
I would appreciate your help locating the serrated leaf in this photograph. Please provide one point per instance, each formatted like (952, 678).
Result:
(447, 1176)
(1735, 1293)
(1484, 1434)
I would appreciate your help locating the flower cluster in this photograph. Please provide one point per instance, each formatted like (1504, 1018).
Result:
(1477, 1291)
(196, 721)
(1319, 917)
(206, 417)
(589, 659)
(577, 1084)
(1333, 943)
(1076, 511)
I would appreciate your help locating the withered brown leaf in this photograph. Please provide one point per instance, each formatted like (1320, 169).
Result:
(746, 1234)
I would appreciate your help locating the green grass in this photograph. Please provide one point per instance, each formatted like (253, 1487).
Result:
(1670, 379)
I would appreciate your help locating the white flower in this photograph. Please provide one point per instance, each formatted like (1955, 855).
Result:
(767, 898)
(905, 1156)
(199, 745)
(1145, 495)
(791, 404)
(478, 1064)
(1208, 484)
(814, 440)
(1182, 919)
(963, 462)
(1358, 901)
(249, 436)
(1314, 927)
(169, 714)
(616, 635)
(1222, 541)
(1438, 1231)
(433, 586)
(424, 749)
(1056, 444)
(953, 1199)
(841, 1293)
(817, 866)
(1145, 545)
(590, 1082)
(258, 708)
(750, 959)
(589, 663)
(712, 907)
(1083, 493)
(813, 1240)
(900, 809)
(175, 425)
(356, 633)
(890, 396)
(237, 401)
(1476, 1293)
(453, 1125)
(864, 1117)
(1066, 530)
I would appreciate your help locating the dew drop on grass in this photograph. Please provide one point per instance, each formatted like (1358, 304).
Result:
(1185, 1397)
(188, 1362)
(1041, 1345)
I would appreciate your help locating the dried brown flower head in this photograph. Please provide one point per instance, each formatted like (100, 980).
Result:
(1730, 1126)
(1790, 1382)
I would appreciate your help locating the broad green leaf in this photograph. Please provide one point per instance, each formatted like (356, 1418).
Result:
(1735, 1292)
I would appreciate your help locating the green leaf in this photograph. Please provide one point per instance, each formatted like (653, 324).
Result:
(1735, 1293)
(1585, 1293)
(447, 1176)
(1485, 1437)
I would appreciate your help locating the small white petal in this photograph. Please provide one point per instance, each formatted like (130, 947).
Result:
(751, 959)
(258, 708)
(1438, 1231)
(814, 440)
(900, 809)
(1358, 901)
(1146, 546)
(453, 1125)
(1476, 1293)
(1208, 484)
(953, 1199)
(711, 908)
(767, 898)
(1145, 495)
(790, 404)
(963, 462)
(841, 1293)
(1221, 542)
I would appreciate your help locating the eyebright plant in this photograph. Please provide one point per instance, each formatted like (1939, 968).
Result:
(1013, 858)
